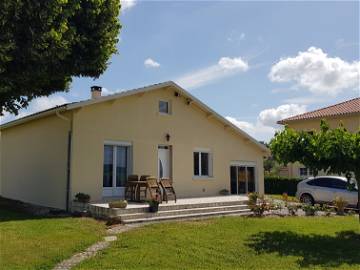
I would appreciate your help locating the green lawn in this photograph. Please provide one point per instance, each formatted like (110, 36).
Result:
(237, 243)
(39, 243)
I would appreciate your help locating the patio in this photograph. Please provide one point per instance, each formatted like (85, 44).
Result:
(184, 208)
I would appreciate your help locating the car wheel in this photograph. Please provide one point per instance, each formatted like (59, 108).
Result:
(307, 199)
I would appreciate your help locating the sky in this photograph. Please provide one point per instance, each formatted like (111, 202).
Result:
(252, 62)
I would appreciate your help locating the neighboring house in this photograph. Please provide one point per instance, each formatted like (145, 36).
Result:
(91, 146)
(347, 113)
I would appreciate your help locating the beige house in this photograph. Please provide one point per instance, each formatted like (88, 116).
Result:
(91, 146)
(347, 113)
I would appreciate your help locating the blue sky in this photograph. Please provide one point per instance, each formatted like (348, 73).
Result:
(253, 62)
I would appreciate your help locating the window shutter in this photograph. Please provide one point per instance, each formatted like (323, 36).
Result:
(130, 160)
(210, 164)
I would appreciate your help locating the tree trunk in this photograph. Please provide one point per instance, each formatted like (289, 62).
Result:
(357, 177)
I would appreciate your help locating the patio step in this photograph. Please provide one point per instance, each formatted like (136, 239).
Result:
(184, 211)
(240, 212)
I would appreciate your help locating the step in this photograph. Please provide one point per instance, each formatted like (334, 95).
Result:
(182, 212)
(242, 212)
(172, 206)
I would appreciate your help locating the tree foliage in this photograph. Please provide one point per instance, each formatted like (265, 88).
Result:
(44, 43)
(335, 151)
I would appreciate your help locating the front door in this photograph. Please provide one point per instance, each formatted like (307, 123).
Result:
(164, 161)
(242, 179)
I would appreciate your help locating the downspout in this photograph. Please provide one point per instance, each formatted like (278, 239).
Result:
(68, 161)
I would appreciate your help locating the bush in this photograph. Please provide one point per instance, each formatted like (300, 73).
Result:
(340, 205)
(281, 185)
(82, 197)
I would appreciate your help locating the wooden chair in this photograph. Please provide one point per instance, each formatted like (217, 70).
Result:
(153, 187)
(130, 187)
(168, 189)
(141, 192)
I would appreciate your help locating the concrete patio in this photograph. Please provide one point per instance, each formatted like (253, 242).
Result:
(184, 208)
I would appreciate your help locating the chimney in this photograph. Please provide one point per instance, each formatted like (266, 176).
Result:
(96, 92)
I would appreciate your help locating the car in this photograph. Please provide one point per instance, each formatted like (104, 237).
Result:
(324, 189)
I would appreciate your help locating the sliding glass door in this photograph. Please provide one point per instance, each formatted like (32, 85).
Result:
(115, 170)
(242, 179)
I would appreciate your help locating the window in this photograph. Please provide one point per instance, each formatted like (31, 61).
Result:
(303, 172)
(321, 182)
(116, 165)
(202, 164)
(339, 184)
(164, 107)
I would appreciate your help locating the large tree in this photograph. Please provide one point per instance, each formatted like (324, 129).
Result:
(334, 151)
(45, 43)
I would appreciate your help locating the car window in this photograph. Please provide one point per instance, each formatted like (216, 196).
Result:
(339, 184)
(320, 182)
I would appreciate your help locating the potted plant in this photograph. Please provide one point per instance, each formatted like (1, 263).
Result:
(154, 204)
(118, 204)
(224, 192)
(80, 203)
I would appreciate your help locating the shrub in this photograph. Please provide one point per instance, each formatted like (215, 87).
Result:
(340, 205)
(281, 185)
(310, 210)
(82, 197)
(118, 204)
(253, 196)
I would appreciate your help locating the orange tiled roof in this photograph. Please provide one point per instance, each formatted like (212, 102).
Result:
(347, 107)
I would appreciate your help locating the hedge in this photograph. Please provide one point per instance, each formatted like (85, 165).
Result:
(280, 185)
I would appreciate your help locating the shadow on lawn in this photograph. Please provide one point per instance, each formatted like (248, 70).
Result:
(315, 249)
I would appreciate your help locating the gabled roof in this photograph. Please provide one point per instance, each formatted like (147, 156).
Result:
(168, 84)
(351, 106)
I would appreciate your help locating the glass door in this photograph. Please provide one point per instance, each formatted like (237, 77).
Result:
(242, 179)
(115, 170)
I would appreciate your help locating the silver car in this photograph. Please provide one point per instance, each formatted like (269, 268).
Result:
(324, 189)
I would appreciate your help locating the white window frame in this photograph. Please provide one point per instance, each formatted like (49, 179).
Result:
(210, 163)
(169, 107)
(115, 189)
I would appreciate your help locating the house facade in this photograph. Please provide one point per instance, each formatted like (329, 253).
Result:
(346, 113)
(93, 145)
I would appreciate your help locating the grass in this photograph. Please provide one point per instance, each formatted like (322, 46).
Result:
(27, 242)
(237, 243)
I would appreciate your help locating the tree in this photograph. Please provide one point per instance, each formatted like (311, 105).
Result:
(330, 150)
(45, 43)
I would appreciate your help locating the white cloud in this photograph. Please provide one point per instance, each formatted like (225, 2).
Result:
(269, 117)
(150, 63)
(317, 72)
(225, 67)
(127, 4)
(264, 128)
(257, 130)
(36, 105)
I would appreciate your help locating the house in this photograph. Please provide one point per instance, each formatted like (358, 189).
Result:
(93, 145)
(347, 113)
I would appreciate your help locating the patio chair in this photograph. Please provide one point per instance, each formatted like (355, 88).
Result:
(168, 189)
(153, 187)
(142, 188)
(130, 187)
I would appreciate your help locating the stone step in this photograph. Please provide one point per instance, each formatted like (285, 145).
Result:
(185, 211)
(241, 212)
(175, 206)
